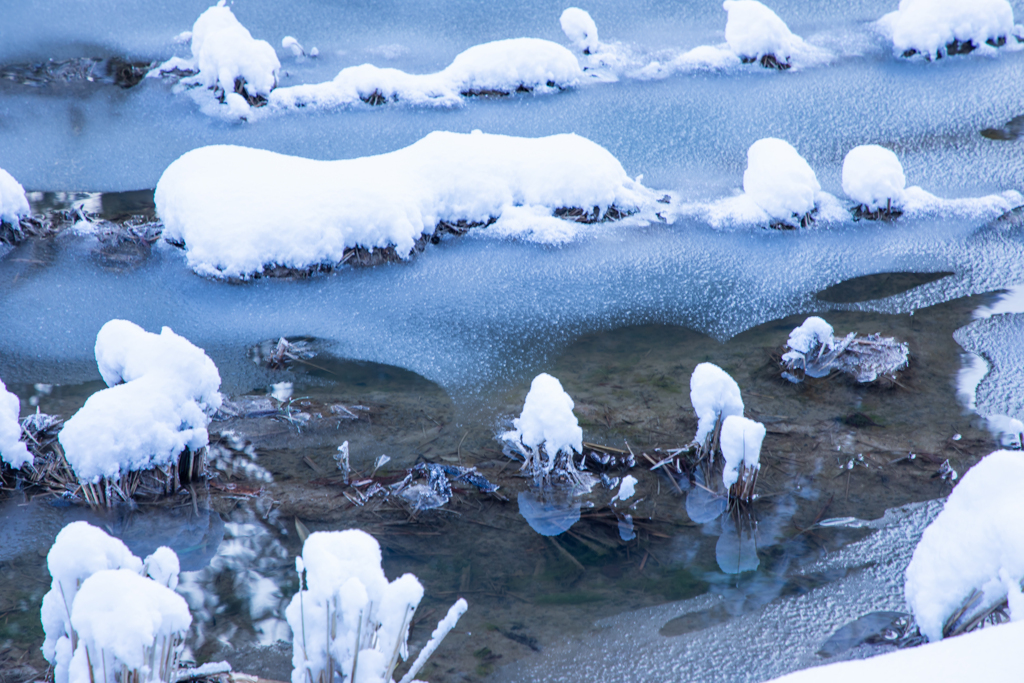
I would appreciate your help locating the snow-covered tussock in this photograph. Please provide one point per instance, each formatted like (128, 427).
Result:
(714, 396)
(755, 33)
(13, 202)
(547, 429)
(12, 450)
(580, 28)
(106, 606)
(170, 388)
(814, 351)
(741, 448)
(349, 621)
(499, 67)
(780, 182)
(873, 177)
(238, 210)
(935, 28)
(975, 544)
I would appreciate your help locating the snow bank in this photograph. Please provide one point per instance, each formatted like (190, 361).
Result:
(580, 29)
(780, 181)
(79, 552)
(162, 409)
(13, 202)
(976, 543)
(499, 67)
(992, 654)
(348, 615)
(741, 446)
(125, 620)
(714, 394)
(238, 210)
(12, 450)
(754, 33)
(935, 28)
(873, 177)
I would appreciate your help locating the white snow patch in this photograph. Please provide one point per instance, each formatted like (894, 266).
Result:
(238, 210)
(580, 28)
(627, 488)
(171, 387)
(13, 202)
(971, 545)
(547, 420)
(780, 181)
(12, 450)
(814, 332)
(713, 394)
(873, 177)
(754, 31)
(928, 27)
(741, 446)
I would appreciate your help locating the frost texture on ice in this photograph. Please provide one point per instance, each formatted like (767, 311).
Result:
(741, 446)
(13, 202)
(873, 177)
(170, 387)
(80, 551)
(935, 28)
(714, 395)
(780, 181)
(976, 543)
(238, 210)
(12, 450)
(124, 620)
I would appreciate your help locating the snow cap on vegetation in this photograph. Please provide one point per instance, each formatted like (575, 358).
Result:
(929, 26)
(714, 394)
(13, 202)
(627, 489)
(238, 210)
(580, 29)
(171, 388)
(754, 31)
(873, 177)
(814, 332)
(547, 419)
(125, 620)
(12, 450)
(976, 543)
(224, 51)
(741, 446)
(500, 66)
(348, 610)
(780, 181)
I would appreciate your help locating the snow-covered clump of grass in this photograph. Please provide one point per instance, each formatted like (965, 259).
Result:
(936, 28)
(756, 34)
(238, 211)
(162, 390)
(580, 28)
(13, 202)
(547, 432)
(12, 450)
(781, 182)
(134, 623)
(970, 560)
(873, 177)
(813, 351)
(498, 68)
(741, 447)
(227, 59)
(714, 396)
(348, 622)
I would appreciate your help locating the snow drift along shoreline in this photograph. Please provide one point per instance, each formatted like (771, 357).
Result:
(238, 211)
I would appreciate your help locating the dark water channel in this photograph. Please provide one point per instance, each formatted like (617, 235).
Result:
(833, 449)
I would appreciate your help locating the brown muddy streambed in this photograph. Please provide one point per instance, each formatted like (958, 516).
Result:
(527, 593)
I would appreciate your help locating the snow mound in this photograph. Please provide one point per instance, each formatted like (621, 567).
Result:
(239, 210)
(936, 28)
(228, 59)
(714, 395)
(348, 614)
(755, 33)
(13, 202)
(163, 408)
(975, 544)
(741, 447)
(124, 620)
(873, 177)
(580, 29)
(12, 450)
(814, 332)
(780, 181)
(501, 67)
(547, 420)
